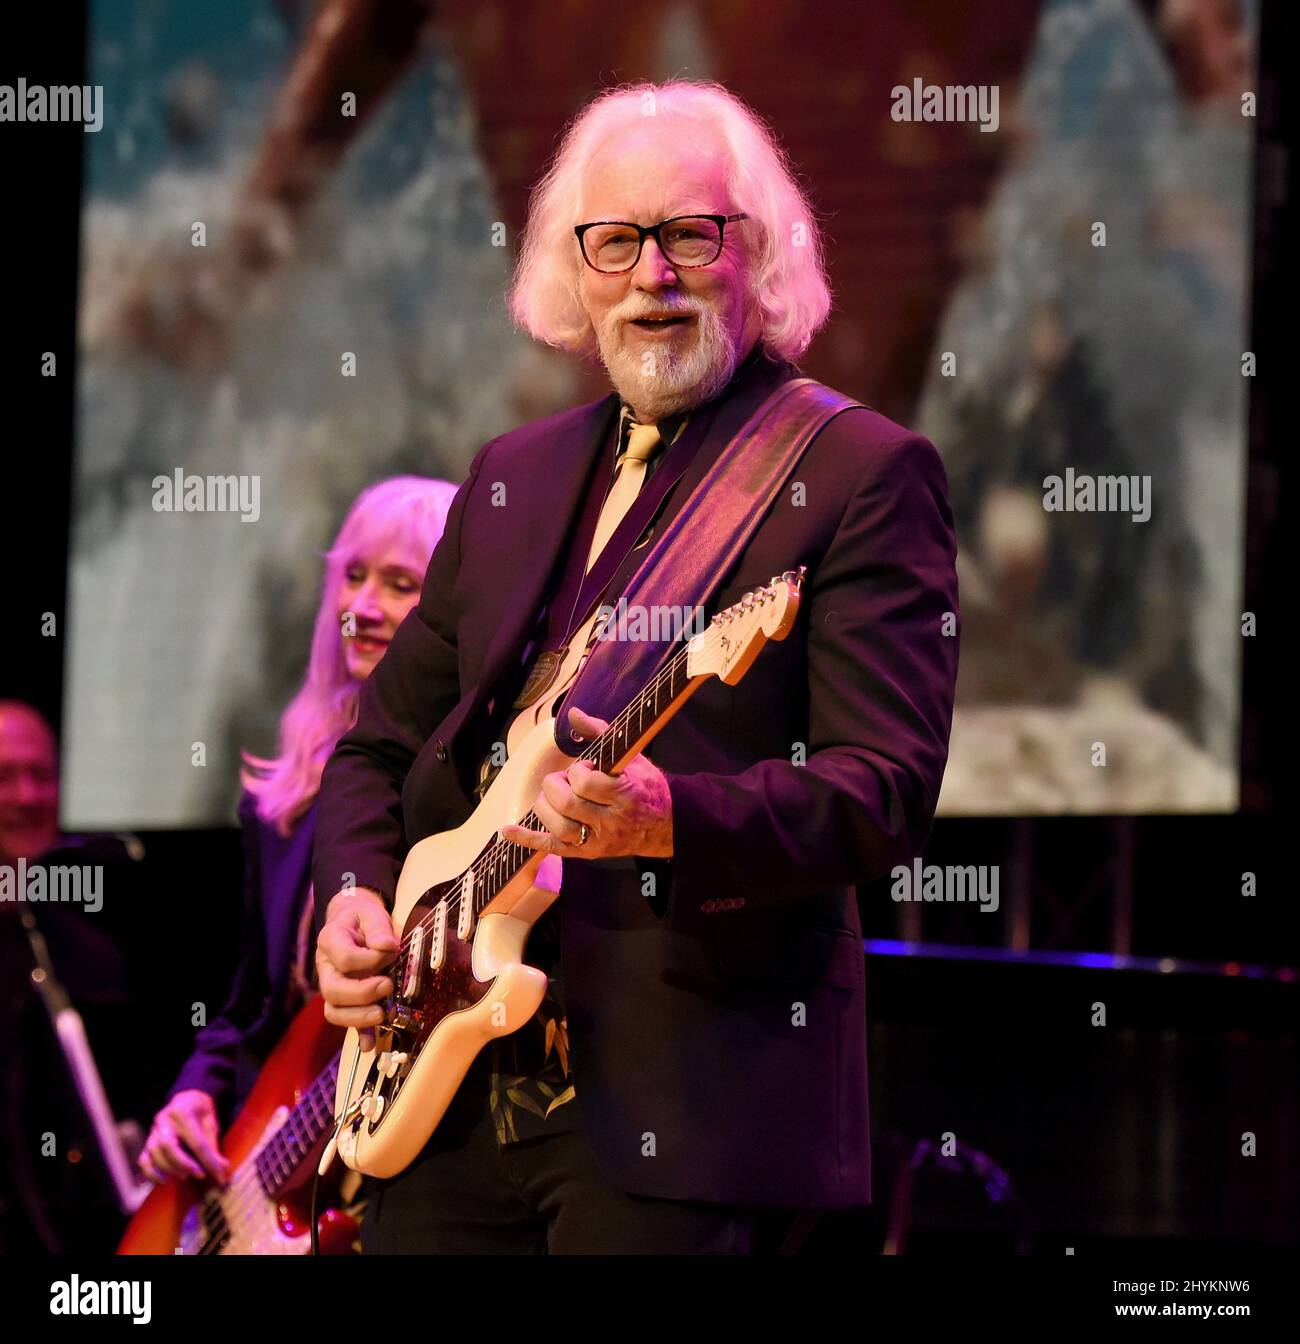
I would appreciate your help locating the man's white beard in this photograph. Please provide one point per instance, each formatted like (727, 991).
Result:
(659, 381)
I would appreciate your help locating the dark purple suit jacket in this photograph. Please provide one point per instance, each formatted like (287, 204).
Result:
(718, 1037)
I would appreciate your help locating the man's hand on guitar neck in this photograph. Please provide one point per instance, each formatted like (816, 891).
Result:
(630, 813)
(354, 946)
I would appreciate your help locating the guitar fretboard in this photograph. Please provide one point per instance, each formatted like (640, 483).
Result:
(499, 863)
(309, 1120)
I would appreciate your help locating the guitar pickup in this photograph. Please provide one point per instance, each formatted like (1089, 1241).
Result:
(438, 936)
(414, 963)
(465, 923)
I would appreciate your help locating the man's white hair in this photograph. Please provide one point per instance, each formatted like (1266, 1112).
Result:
(782, 240)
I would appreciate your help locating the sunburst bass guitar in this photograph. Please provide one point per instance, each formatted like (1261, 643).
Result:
(466, 901)
(273, 1147)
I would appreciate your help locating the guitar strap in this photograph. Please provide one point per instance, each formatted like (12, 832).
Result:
(702, 543)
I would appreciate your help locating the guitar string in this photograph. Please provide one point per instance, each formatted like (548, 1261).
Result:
(239, 1193)
(499, 849)
(238, 1199)
(235, 1202)
(246, 1189)
(502, 848)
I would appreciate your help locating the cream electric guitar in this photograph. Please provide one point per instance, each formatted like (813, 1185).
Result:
(466, 902)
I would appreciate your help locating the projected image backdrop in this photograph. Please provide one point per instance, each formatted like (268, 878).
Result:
(1060, 299)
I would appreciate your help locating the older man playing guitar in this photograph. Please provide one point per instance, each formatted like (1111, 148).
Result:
(700, 1054)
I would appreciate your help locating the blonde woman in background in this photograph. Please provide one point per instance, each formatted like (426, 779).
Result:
(373, 575)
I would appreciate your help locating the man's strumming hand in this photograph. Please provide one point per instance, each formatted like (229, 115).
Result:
(355, 945)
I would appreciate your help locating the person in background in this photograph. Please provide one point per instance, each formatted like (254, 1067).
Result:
(57, 1200)
(372, 580)
(29, 783)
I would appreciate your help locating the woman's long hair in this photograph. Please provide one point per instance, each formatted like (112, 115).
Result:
(405, 509)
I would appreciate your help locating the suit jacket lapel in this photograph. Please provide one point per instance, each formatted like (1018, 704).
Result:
(560, 465)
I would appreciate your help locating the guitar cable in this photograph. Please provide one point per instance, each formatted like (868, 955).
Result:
(315, 1198)
(327, 1159)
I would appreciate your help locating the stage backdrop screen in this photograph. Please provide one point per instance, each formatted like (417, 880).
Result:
(1047, 275)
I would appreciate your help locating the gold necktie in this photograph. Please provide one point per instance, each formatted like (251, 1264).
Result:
(642, 443)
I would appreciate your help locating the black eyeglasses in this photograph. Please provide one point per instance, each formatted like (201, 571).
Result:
(688, 241)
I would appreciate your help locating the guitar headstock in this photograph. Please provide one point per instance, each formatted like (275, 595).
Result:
(735, 635)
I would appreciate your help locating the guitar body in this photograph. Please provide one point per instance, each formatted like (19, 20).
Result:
(467, 901)
(480, 988)
(186, 1214)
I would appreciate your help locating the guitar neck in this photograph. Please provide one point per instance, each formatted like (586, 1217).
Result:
(638, 724)
(725, 650)
(291, 1145)
(628, 734)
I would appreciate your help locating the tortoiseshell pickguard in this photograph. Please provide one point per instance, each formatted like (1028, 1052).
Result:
(453, 988)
